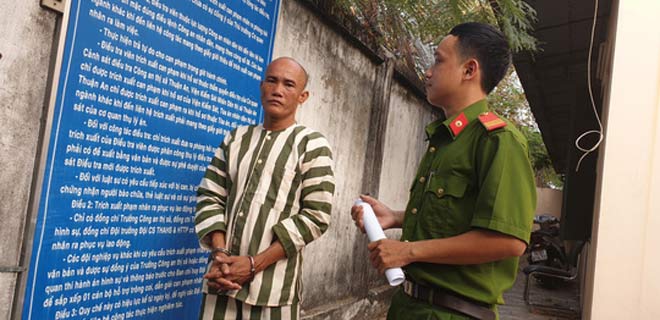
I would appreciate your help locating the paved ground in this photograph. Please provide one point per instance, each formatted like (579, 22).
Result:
(516, 309)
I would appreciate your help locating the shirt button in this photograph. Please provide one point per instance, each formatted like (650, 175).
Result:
(422, 179)
(267, 137)
(259, 161)
(240, 214)
(432, 149)
(413, 211)
(440, 191)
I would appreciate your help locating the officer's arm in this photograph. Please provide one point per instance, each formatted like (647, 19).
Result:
(473, 247)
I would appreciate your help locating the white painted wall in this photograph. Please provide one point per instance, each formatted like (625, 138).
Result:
(548, 201)
(626, 259)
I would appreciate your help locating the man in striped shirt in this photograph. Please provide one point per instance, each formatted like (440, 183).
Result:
(266, 194)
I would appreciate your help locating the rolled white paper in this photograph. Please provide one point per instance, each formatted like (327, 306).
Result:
(375, 232)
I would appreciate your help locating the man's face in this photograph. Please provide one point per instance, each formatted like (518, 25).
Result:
(283, 89)
(445, 74)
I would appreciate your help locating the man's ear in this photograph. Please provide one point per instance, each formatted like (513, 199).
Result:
(303, 97)
(471, 67)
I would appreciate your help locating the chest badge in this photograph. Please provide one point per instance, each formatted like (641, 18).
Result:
(458, 124)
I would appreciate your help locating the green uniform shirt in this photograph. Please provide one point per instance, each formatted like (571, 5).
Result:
(470, 178)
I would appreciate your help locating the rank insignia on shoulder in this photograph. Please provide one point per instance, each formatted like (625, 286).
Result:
(491, 121)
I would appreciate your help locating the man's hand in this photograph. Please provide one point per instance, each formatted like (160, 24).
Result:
(387, 253)
(386, 217)
(217, 275)
(238, 269)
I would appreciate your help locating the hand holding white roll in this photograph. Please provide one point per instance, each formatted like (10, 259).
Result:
(374, 231)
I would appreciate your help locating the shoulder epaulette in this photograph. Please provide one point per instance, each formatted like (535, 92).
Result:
(491, 121)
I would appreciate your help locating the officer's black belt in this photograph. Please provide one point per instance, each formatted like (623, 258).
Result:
(448, 300)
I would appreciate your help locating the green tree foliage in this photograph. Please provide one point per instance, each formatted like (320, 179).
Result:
(544, 171)
(408, 30)
(508, 99)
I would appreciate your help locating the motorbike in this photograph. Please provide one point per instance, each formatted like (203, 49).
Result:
(546, 248)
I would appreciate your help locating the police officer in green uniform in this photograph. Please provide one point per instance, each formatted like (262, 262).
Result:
(472, 201)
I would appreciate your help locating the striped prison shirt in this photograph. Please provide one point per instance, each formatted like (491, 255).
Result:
(264, 185)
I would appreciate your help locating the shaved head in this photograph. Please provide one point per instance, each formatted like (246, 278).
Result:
(293, 62)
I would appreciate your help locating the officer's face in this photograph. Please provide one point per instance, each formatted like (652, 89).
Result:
(283, 89)
(444, 76)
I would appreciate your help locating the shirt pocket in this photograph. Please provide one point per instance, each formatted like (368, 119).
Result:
(442, 215)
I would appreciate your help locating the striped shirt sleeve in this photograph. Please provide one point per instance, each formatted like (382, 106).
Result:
(317, 192)
(212, 196)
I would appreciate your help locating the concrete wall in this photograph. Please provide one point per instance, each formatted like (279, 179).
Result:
(25, 48)
(404, 145)
(339, 282)
(624, 260)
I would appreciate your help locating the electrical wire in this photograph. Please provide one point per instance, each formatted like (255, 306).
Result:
(599, 132)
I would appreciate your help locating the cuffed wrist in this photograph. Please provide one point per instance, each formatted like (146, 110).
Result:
(253, 270)
(218, 250)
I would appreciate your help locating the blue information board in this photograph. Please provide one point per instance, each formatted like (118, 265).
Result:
(146, 91)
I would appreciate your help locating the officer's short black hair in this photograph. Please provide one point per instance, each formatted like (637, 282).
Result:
(489, 46)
